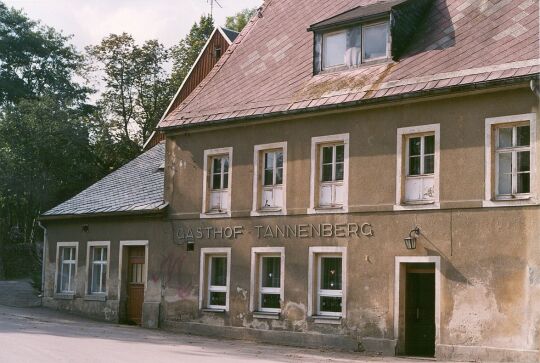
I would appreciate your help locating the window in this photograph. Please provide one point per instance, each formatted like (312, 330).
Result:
(98, 269)
(417, 184)
(217, 52)
(355, 45)
(327, 268)
(330, 162)
(267, 277)
(66, 267)
(216, 188)
(510, 160)
(269, 179)
(513, 161)
(215, 275)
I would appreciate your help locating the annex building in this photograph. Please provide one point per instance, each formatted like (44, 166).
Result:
(349, 174)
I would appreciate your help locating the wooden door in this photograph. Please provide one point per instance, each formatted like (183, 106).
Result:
(135, 286)
(420, 314)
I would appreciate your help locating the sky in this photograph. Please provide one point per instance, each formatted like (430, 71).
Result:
(89, 21)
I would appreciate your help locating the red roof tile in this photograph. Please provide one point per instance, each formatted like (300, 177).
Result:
(269, 68)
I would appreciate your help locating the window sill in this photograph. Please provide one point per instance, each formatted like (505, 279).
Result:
(323, 319)
(266, 315)
(515, 202)
(267, 212)
(226, 214)
(327, 210)
(212, 310)
(96, 297)
(64, 296)
(417, 205)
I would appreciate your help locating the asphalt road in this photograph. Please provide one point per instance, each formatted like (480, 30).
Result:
(42, 335)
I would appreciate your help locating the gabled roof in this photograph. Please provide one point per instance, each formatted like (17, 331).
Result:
(268, 71)
(136, 187)
(229, 36)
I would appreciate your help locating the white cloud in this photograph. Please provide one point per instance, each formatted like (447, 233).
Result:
(91, 20)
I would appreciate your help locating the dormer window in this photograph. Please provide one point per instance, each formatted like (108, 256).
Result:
(367, 34)
(355, 45)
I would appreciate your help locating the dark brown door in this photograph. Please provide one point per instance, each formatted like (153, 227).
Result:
(135, 284)
(420, 314)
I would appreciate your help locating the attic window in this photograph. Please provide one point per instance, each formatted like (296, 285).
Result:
(352, 46)
(217, 52)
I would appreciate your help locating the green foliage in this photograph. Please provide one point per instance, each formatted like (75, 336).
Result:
(137, 89)
(187, 51)
(35, 60)
(238, 21)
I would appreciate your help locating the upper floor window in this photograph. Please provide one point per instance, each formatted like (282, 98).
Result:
(417, 183)
(355, 45)
(269, 178)
(329, 174)
(216, 188)
(510, 158)
(513, 155)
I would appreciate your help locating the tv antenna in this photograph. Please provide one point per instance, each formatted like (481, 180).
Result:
(212, 2)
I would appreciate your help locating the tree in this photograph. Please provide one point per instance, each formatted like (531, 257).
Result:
(187, 51)
(136, 86)
(35, 60)
(238, 21)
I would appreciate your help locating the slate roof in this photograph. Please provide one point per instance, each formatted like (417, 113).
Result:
(268, 70)
(231, 34)
(136, 187)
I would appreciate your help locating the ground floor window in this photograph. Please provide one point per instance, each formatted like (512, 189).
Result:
(267, 270)
(327, 269)
(98, 267)
(67, 266)
(215, 275)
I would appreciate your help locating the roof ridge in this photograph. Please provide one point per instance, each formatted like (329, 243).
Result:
(245, 31)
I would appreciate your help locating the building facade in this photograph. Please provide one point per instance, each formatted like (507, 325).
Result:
(367, 184)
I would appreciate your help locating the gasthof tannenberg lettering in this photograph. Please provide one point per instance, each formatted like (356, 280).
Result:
(355, 175)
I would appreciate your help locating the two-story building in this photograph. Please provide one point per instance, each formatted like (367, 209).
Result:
(362, 175)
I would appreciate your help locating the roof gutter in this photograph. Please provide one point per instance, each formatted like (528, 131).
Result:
(526, 79)
(105, 214)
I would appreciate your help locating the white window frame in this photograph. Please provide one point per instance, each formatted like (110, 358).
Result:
(204, 277)
(90, 264)
(315, 254)
(59, 246)
(257, 253)
(363, 61)
(404, 133)
(491, 172)
(258, 184)
(315, 176)
(208, 155)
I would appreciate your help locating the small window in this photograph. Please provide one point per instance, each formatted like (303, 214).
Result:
(217, 284)
(327, 289)
(269, 179)
(270, 283)
(67, 268)
(214, 278)
(355, 45)
(98, 267)
(331, 175)
(329, 292)
(217, 52)
(217, 196)
(420, 179)
(513, 161)
(417, 174)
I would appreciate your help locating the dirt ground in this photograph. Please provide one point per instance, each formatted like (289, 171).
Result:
(43, 335)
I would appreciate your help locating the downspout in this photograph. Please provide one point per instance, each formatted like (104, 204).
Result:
(43, 258)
